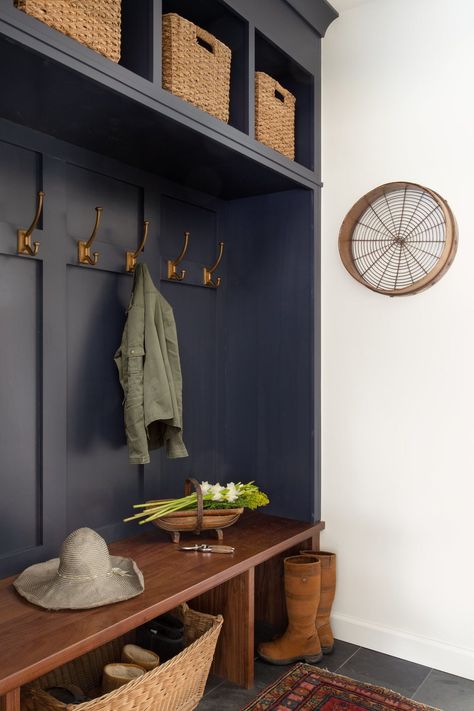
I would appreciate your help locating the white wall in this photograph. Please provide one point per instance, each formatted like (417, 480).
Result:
(398, 374)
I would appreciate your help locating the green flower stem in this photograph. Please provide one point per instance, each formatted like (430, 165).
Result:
(161, 510)
(152, 511)
(248, 496)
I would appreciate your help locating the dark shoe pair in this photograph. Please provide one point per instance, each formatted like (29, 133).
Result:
(68, 694)
(164, 635)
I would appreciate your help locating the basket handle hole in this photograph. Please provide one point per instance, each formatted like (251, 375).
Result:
(279, 96)
(202, 43)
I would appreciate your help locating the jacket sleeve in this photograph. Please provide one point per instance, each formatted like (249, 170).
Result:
(130, 363)
(137, 439)
(175, 446)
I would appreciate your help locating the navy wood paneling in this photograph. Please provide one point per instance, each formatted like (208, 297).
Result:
(268, 428)
(20, 356)
(20, 180)
(137, 37)
(196, 321)
(237, 405)
(285, 354)
(101, 484)
(315, 344)
(20, 395)
(249, 350)
(121, 225)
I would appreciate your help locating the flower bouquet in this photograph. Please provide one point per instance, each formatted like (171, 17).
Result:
(210, 506)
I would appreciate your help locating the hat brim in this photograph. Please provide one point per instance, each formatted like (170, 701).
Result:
(41, 585)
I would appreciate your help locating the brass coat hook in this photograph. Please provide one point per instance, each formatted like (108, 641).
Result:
(207, 272)
(24, 236)
(172, 264)
(131, 257)
(84, 248)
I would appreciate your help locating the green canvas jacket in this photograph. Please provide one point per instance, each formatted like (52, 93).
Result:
(150, 373)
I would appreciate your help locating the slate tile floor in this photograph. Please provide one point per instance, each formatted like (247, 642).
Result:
(435, 688)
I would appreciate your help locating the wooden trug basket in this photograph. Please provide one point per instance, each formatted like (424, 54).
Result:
(196, 66)
(198, 520)
(274, 115)
(95, 23)
(176, 685)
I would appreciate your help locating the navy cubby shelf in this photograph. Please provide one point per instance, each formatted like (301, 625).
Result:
(138, 37)
(57, 86)
(272, 61)
(233, 31)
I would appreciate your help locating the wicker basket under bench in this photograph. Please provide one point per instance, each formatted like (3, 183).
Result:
(176, 685)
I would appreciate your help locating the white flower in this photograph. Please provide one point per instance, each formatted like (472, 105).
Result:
(216, 492)
(232, 493)
(205, 486)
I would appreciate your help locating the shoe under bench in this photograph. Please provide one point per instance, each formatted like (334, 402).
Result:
(242, 586)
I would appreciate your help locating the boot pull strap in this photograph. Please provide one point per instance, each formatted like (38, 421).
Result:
(188, 484)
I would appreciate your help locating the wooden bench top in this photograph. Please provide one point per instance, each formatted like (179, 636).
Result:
(34, 641)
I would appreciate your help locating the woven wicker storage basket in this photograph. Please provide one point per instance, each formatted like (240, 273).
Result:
(274, 115)
(196, 65)
(95, 23)
(176, 685)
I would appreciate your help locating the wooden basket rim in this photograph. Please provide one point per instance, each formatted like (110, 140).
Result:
(206, 512)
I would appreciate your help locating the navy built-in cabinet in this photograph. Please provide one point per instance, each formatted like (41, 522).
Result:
(88, 133)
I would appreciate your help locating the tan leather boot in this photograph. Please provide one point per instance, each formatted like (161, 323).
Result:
(300, 642)
(328, 590)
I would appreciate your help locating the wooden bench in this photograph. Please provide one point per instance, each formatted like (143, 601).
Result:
(242, 586)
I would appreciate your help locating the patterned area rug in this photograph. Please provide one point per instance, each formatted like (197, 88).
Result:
(308, 688)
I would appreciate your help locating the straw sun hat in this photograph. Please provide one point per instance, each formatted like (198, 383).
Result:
(83, 576)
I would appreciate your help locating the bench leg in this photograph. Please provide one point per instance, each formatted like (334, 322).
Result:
(234, 600)
(11, 701)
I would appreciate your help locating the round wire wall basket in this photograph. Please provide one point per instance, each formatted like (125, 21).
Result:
(398, 239)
